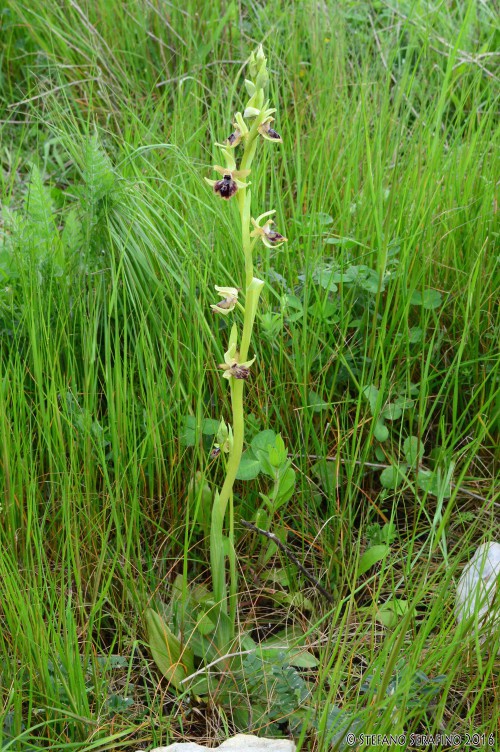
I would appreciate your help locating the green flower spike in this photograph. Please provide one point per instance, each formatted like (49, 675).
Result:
(258, 68)
(269, 237)
(230, 295)
(231, 177)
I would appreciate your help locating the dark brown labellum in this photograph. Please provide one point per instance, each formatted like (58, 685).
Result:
(273, 134)
(215, 452)
(240, 372)
(226, 188)
(274, 237)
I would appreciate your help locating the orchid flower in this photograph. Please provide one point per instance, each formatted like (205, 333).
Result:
(231, 177)
(270, 238)
(269, 133)
(230, 295)
(232, 367)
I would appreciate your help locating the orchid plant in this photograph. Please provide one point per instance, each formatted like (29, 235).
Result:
(250, 127)
(198, 623)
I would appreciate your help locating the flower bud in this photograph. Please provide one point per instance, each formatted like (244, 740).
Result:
(252, 65)
(262, 78)
(251, 112)
(260, 58)
(250, 87)
(224, 438)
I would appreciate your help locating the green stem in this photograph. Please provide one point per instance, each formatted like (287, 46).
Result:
(233, 577)
(220, 503)
(217, 551)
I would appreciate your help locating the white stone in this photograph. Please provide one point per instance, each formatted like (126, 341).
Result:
(476, 591)
(239, 743)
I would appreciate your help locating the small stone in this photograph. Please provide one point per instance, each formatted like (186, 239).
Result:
(238, 743)
(476, 592)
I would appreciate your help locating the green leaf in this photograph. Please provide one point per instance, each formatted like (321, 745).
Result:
(429, 299)
(392, 411)
(391, 612)
(380, 431)
(292, 307)
(286, 487)
(371, 284)
(210, 426)
(392, 476)
(188, 433)
(346, 243)
(261, 516)
(371, 393)
(381, 535)
(292, 301)
(263, 440)
(296, 600)
(325, 279)
(324, 310)
(302, 659)
(415, 335)
(8, 268)
(276, 575)
(278, 454)
(265, 465)
(205, 625)
(371, 556)
(276, 648)
(316, 402)
(427, 481)
(97, 172)
(431, 481)
(249, 466)
(413, 450)
(327, 474)
(174, 661)
(404, 402)
(39, 210)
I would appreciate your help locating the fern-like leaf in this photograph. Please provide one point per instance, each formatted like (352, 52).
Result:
(39, 210)
(98, 174)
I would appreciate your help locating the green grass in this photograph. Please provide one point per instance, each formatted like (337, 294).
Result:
(111, 245)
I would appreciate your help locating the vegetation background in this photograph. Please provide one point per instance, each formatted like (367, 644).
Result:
(377, 350)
